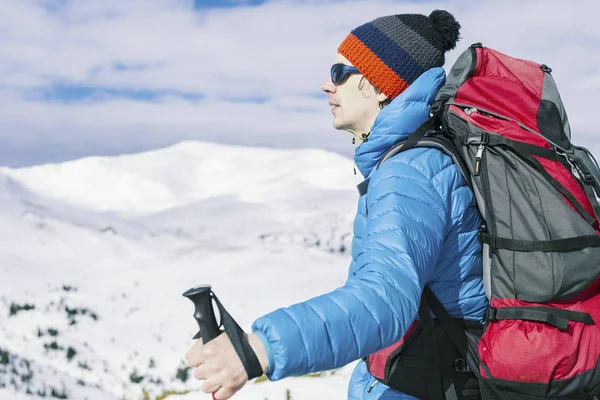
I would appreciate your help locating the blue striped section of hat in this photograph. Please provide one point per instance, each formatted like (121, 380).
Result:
(389, 52)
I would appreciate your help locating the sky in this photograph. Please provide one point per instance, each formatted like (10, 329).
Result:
(105, 77)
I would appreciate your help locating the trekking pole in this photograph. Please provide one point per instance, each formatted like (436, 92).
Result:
(202, 296)
(203, 314)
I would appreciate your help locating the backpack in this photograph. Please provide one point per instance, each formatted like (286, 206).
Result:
(503, 123)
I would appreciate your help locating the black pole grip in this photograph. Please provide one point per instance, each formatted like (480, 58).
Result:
(203, 313)
(202, 297)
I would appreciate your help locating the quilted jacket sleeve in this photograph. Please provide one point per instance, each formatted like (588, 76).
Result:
(406, 224)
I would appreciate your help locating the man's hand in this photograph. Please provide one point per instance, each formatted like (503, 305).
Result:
(219, 366)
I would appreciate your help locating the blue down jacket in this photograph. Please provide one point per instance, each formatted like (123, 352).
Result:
(421, 229)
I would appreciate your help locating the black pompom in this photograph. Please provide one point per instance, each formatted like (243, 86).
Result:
(448, 28)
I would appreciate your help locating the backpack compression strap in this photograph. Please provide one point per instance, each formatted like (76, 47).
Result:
(556, 317)
(558, 245)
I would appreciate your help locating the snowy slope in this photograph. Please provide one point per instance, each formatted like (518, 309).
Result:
(97, 252)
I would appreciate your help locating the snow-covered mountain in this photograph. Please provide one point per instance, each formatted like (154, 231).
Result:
(95, 255)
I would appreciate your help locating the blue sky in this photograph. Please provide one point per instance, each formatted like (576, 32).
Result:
(226, 3)
(71, 92)
(108, 77)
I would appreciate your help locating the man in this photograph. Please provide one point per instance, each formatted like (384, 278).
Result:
(417, 225)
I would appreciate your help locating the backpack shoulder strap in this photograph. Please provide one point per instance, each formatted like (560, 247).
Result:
(458, 337)
(424, 136)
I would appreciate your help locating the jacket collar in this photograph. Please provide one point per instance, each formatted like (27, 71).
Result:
(399, 119)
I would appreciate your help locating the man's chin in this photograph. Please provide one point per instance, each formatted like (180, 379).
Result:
(340, 125)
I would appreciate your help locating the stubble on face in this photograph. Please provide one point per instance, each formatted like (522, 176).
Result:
(356, 105)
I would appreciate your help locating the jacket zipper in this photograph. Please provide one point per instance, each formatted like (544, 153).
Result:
(372, 385)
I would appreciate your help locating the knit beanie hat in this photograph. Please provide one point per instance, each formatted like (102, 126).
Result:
(392, 51)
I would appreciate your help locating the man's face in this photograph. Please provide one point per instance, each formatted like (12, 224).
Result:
(355, 102)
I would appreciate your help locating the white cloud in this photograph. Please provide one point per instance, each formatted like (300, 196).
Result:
(279, 52)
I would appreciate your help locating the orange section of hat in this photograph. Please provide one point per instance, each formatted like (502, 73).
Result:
(371, 66)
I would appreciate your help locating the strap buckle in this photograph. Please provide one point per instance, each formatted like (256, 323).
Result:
(584, 172)
(586, 175)
(588, 178)
(460, 365)
(491, 314)
(483, 138)
(480, 233)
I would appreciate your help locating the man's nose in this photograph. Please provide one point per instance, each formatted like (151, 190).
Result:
(328, 86)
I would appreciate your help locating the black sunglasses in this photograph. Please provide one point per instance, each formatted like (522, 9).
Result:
(340, 72)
